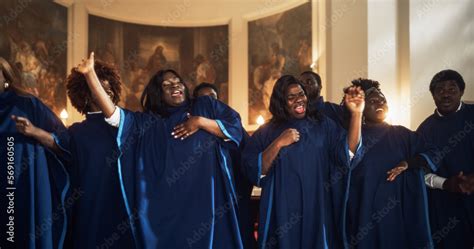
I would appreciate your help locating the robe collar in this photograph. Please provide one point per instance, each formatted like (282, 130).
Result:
(441, 115)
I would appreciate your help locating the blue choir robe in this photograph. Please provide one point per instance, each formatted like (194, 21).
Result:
(338, 113)
(180, 193)
(382, 214)
(244, 191)
(40, 181)
(452, 214)
(296, 209)
(98, 215)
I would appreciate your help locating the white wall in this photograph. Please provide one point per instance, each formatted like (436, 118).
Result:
(347, 56)
(441, 37)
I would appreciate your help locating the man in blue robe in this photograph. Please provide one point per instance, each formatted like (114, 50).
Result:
(451, 129)
(313, 85)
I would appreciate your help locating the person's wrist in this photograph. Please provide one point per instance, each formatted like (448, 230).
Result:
(201, 122)
(449, 185)
(356, 114)
(278, 143)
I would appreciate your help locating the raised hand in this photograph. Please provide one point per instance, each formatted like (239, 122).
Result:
(355, 100)
(188, 128)
(287, 137)
(24, 126)
(397, 170)
(87, 65)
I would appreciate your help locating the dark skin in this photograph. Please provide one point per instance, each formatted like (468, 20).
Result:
(296, 103)
(207, 91)
(447, 97)
(376, 108)
(311, 85)
(173, 90)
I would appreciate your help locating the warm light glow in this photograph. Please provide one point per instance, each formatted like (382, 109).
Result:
(64, 115)
(260, 120)
(393, 115)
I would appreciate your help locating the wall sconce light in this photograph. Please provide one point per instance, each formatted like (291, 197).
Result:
(64, 116)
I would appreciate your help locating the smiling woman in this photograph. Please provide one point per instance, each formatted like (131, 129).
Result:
(291, 158)
(174, 168)
(382, 214)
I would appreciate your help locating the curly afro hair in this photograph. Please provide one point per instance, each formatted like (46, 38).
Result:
(366, 84)
(79, 93)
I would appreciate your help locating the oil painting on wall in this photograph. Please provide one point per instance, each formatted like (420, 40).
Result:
(198, 54)
(279, 44)
(34, 37)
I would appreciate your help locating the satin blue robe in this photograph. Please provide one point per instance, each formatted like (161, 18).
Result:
(40, 182)
(452, 214)
(382, 214)
(244, 191)
(338, 113)
(98, 215)
(180, 193)
(296, 209)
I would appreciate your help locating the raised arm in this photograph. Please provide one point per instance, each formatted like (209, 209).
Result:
(25, 127)
(101, 99)
(355, 103)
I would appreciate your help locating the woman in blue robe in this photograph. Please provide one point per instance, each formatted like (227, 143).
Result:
(381, 213)
(175, 169)
(98, 215)
(290, 158)
(242, 184)
(34, 183)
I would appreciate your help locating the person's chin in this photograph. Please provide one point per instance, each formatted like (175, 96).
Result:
(299, 115)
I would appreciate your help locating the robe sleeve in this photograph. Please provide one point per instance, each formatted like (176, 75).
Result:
(228, 121)
(46, 119)
(339, 147)
(58, 176)
(252, 157)
(416, 145)
(63, 141)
